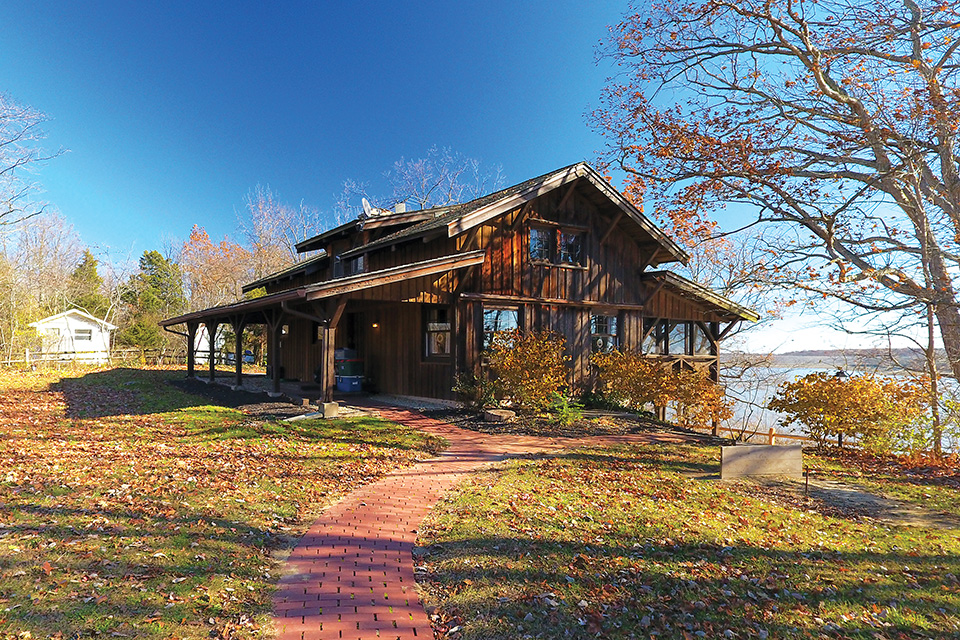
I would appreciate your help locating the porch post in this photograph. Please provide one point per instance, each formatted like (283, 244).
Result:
(212, 339)
(191, 344)
(238, 325)
(274, 323)
(327, 363)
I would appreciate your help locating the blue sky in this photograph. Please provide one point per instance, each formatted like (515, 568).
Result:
(173, 111)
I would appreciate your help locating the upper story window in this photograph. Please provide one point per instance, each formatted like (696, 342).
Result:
(542, 244)
(603, 333)
(571, 244)
(556, 245)
(343, 267)
(497, 320)
(437, 332)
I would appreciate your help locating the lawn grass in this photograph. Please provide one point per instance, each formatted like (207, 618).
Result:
(628, 543)
(131, 509)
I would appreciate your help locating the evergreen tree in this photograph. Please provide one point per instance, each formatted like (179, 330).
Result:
(86, 287)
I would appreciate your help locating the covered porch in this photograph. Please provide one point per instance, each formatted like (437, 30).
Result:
(302, 324)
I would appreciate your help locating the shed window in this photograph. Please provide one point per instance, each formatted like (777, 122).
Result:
(437, 332)
(603, 333)
(83, 334)
(497, 320)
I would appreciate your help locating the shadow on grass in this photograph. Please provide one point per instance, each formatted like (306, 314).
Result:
(182, 570)
(508, 587)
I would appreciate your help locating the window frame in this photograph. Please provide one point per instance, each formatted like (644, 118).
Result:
(563, 257)
(427, 333)
(485, 344)
(83, 335)
(550, 249)
(556, 253)
(609, 319)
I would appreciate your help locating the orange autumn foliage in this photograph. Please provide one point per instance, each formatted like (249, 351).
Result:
(863, 406)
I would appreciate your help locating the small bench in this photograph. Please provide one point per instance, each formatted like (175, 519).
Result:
(745, 460)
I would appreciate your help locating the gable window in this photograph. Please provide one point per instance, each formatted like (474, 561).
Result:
(437, 332)
(603, 333)
(571, 243)
(556, 245)
(542, 243)
(497, 320)
(83, 334)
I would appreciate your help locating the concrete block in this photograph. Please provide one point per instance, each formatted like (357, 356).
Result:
(498, 415)
(761, 460)
(329, 409)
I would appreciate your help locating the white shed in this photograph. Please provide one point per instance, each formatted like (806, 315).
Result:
(75, 335)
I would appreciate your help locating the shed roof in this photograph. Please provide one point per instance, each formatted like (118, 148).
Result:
(73, 312)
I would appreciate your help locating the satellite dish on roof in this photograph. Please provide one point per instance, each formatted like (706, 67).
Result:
(367, 209)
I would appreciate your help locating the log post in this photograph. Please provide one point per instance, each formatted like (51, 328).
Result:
(212, 344)
(238, 325)
(191, 345)
(274, 324)
(328, 370)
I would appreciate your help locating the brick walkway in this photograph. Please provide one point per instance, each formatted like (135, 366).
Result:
(351, 576)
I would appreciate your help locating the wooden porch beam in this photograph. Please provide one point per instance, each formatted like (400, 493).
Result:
(211, 348)
(653, 292)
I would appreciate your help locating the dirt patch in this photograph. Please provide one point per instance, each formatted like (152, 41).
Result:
(843, 500)
(255, 404)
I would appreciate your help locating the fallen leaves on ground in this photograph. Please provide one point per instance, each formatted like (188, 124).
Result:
(129, 508)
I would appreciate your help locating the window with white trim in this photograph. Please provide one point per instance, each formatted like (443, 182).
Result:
(603, 333)
(437, 332)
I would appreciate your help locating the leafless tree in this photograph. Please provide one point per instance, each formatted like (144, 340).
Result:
(441, 178)
(273, 228)
(20, 152)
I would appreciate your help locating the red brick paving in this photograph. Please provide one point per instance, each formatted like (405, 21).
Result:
(351, 576)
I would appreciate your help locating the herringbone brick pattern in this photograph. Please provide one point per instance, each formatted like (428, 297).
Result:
(351, 576)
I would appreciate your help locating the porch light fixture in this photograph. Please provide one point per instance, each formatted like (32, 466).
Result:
(375, 325)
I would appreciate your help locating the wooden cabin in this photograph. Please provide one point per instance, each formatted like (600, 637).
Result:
(411, 298)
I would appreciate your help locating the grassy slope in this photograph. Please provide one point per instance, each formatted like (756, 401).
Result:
(130, 508)
(621, 544)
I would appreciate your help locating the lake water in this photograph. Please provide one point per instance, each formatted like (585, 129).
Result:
(751, 388)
